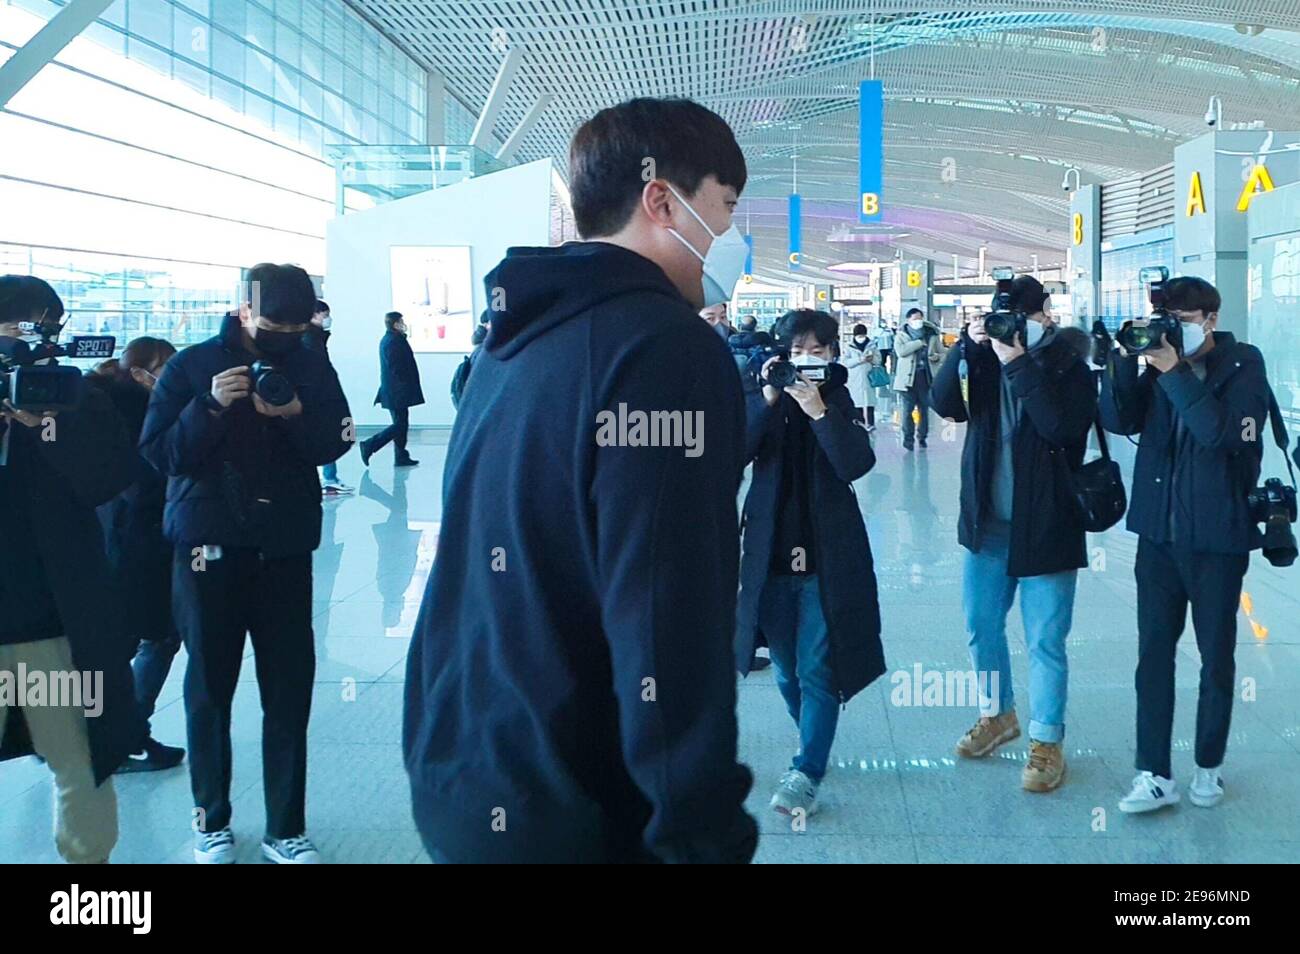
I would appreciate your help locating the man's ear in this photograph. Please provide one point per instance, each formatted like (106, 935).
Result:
(1211, 321)
(657, 202)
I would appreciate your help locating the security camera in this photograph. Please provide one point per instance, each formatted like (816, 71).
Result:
(1214, 113)
(1065, 180)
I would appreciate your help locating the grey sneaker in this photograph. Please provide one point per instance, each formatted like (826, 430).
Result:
(214, 847)
(795, 791)
(1206, 789)
(297, 850)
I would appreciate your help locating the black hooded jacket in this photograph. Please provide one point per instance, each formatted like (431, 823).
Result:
(570, 680)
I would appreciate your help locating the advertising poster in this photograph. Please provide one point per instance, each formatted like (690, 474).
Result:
(432, 289)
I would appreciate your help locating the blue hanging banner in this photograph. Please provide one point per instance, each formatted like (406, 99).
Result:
(871, 153)
(796, 232)
(749, 258)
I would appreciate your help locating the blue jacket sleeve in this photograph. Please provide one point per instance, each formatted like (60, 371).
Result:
(179, 430)
(667, 555)
(1125, 396)
(321, 433)
(1060, 406)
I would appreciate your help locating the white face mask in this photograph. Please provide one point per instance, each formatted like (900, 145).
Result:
(326, 322)
(1193, 337)
(1034, 333)
(916, 323)
(806, 360)
(724, 263)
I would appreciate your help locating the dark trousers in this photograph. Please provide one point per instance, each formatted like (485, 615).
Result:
(1169, 578)
(395, 432)
(917, 396)
(152, 663)
(270, 600)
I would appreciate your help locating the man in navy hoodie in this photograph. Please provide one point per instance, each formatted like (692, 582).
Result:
(569, 691)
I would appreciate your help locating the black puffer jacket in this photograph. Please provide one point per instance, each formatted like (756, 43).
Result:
(242, 479)
(1220, 464)
(1059, 398)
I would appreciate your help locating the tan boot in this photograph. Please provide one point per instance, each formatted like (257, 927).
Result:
(988, 733)
(1045, 769)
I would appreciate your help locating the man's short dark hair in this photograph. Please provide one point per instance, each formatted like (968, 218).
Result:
(859, 329)
(794, 325)
(284, 293)
(614, 152)
(913, 311)
(1028, 295)
(1189, 293)
(392, 318)
(27, 298)
(322, 306)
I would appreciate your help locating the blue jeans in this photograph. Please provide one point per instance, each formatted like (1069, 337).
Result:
(790, 615)
(330, 472)
(1046, 608)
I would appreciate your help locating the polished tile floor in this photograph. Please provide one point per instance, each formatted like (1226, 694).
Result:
(895, 793)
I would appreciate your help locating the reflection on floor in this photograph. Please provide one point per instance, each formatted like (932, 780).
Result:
(895, 793)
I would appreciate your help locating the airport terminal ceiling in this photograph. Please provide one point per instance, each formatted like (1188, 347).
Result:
(985, 111)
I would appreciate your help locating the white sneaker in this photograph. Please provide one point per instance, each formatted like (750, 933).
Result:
(290, 851)
(795, 791)
(1206, 789)
(334, 487)
(214, 847)
(1150, 792)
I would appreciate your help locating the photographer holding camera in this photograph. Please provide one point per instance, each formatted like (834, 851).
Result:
(240, 423)
(807, 578)
(55, 587)
(1030, 400)
(1200, 406)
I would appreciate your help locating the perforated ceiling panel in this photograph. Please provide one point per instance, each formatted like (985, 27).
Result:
(984, 110)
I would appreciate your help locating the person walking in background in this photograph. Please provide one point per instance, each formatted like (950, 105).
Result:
(399, 391)
(885, 345)
(918, 346)
(859, 358)
(317, 338)
(138, 552)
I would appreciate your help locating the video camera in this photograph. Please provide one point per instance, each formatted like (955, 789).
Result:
(1138, 338)
(1004, 321)
(31, 377)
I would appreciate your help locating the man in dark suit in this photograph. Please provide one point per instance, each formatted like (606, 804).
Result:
(399, 391)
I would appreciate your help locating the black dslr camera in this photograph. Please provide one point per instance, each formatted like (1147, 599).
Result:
(1136, 338)
(271, 385)
(1274, 505)
(1004, 321)
(781, 374)
(31, 377)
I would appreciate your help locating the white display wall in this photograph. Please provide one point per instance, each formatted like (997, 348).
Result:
(487, 215)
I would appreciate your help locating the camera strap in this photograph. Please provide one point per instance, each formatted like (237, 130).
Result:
(1280, 435)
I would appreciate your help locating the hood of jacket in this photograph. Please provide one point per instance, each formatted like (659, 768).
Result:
(539, 288)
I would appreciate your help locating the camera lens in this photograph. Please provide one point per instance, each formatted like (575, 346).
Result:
(781, 374)
(1136, 338)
